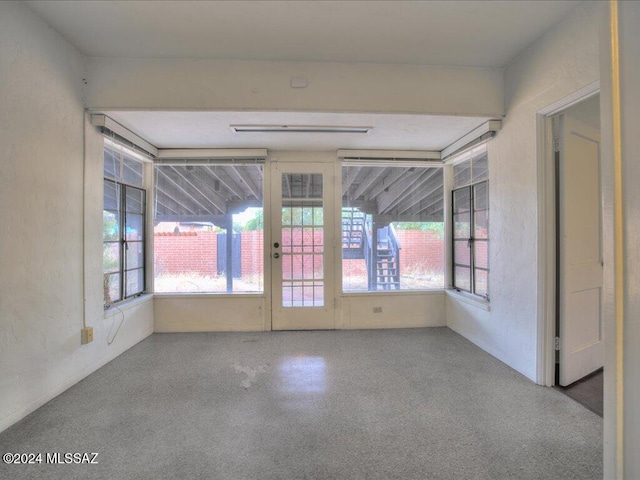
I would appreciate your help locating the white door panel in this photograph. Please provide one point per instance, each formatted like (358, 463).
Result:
(580, 251)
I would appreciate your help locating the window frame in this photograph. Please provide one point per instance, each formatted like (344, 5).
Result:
(122, 190)
(226, 166)
(409, 165)
(471, 187)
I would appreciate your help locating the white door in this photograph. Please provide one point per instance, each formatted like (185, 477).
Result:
(580, 251)
(302, 246)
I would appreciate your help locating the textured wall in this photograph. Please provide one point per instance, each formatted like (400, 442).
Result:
(564, 60)
(340, 87)
(41, 227)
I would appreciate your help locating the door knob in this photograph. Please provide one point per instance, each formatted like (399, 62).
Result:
(276, 245)
(276, 255)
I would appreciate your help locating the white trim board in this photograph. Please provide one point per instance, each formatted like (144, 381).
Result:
(545, 351)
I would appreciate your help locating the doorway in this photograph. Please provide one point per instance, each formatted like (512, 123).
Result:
(579, 342)
(302, 246)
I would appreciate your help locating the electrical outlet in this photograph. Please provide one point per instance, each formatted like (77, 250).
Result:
(377, 309)
(87, 335)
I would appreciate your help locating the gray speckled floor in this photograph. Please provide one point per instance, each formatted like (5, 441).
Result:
(383, 404)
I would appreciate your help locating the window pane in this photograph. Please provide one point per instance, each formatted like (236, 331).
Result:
(110, 226)
(302, 185)
(481, 253)
(462, 200)
(111, 288)
(462, 225)
(462, 253)
(481, 281)
(481, 224)
(111, 257)
(122, 164)
(135, 255)
(302, 240)
(462, 174)
(405, 249)
(134, 227)
(135, 282)
(111, 198)
(132, 170)
(480, 167)
(462, 278)
(481, 196)
(134, 199)
(194, 205)
(111, 163)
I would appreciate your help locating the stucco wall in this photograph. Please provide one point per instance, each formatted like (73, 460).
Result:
(41, 227)
(338, 87)
(564, 60)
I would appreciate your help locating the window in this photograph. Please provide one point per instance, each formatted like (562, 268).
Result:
(302, 234)
(470, 220)
(209, 228)
(123, 224)
(392, 228)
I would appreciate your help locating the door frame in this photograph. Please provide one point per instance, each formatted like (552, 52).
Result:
(332, 268)
(547, 232)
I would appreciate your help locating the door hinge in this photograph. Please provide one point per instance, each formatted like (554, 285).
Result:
(556, 145)
(557, 344)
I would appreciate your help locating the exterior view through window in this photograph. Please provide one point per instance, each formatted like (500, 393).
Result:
(302, 240)
(392, 228)
(208, 228)
(470, 212)
(123, 224)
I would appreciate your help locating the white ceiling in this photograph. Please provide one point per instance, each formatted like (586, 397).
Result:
(212, 130)
(455, 33)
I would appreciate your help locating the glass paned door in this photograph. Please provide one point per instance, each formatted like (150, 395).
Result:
(302, 256)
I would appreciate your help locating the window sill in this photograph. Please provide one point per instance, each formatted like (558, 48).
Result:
(210, 295)
(469, 299)
(392, 293)
(127, 304)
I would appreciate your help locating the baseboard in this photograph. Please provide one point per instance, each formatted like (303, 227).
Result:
(17, 415)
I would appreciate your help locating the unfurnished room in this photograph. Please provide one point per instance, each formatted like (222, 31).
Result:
(319, 239)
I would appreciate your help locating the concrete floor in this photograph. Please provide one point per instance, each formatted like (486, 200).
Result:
(588, 391)
(383, 404)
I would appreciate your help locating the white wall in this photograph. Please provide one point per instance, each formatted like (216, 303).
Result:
(561, 62)
(210, 313)
(399, 310)
(337, 87)
(41, 228)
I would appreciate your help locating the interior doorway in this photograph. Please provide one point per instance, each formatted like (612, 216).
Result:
(579, 345)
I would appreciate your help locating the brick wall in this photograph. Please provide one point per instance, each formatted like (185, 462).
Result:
(252, 253)
(421, 250)
(185, 252)
(195, 252)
